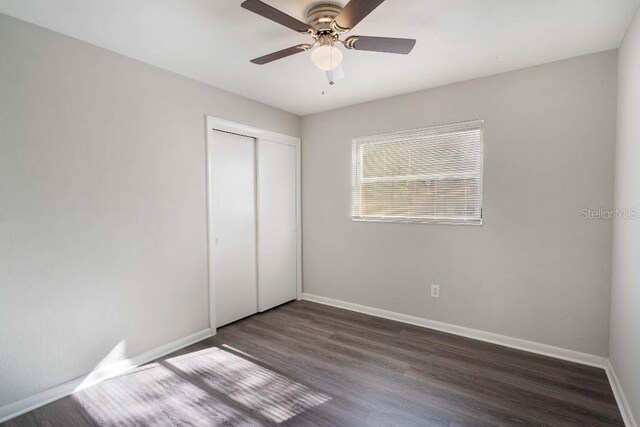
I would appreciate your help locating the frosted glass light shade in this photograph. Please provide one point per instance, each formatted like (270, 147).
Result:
(326, 57)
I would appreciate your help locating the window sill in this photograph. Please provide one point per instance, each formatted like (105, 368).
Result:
(475, 222)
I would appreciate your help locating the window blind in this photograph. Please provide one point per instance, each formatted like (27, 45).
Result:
(431, 175)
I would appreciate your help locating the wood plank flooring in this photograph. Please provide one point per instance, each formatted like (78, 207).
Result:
(309, 364)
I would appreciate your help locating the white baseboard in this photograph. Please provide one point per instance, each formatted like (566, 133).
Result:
(503, 340)
(623, 404)
(517, 343)
(54, 393)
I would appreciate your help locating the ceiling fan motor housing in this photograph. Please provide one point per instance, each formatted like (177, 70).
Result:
(321, 15)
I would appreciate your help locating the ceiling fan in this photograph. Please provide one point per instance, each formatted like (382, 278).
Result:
(326, 23)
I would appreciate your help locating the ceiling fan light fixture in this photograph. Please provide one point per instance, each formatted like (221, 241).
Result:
(326, 57)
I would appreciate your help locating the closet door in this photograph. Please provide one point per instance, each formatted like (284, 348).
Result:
(277, 260)
(234, 269)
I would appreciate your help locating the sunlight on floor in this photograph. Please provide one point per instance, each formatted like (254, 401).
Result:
(215, 386)
(154, 395)
(256, 387)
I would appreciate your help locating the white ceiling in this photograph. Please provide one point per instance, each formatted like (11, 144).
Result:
(213, 40)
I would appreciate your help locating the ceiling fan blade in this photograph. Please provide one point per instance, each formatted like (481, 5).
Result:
(269, 12)
(354, 12)
(281, 54)
(380, 44)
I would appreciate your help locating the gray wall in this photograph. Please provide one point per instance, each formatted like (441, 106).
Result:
(102, 204)
(535, 270)
(624, 344)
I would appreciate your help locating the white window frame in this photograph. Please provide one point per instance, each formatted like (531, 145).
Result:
(357, 160)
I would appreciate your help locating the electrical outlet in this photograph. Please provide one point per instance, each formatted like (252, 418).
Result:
(435, 291)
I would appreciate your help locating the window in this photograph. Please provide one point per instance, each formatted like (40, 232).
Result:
(430, 175)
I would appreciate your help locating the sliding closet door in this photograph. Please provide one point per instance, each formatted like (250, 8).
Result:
(277, 259)
(232, 160)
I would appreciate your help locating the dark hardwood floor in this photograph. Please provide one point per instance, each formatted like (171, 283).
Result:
(309, 364)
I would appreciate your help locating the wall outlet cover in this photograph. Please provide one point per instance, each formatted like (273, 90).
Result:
(435, 291)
